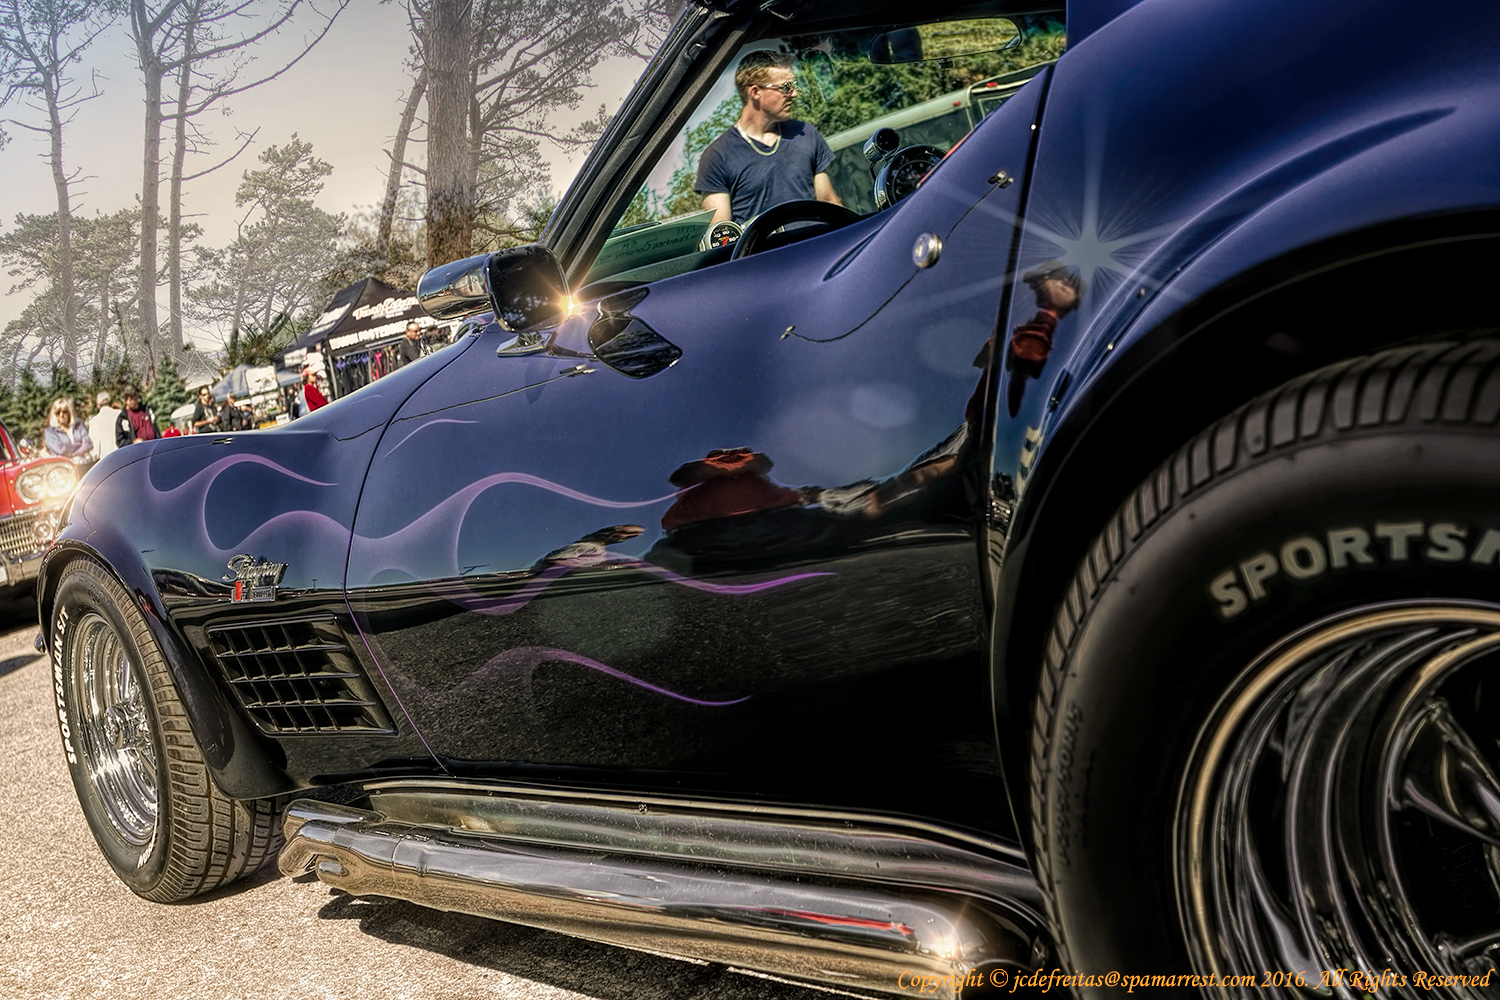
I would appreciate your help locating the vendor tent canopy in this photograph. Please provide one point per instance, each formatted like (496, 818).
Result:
(248, 380)
(363, 313)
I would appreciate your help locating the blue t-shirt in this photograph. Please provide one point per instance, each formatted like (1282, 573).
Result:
(755, 176)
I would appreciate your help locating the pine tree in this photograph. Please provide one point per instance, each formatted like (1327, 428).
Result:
(167, 393)
(29, 415)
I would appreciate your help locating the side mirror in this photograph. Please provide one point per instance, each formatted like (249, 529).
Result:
(524, 286)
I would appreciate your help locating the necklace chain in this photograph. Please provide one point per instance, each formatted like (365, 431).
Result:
(763, 152)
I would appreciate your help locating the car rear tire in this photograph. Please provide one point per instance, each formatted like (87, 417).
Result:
(149, 800)
(1266, 739)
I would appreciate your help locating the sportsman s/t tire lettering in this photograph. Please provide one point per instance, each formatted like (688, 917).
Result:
(1266, 723)
(149, 800)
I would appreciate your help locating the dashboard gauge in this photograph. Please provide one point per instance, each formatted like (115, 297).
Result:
(720, 234)
(903, 172)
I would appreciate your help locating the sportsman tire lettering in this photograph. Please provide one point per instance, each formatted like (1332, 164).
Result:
(1309, 556)
(1066, 754)
(59, 636)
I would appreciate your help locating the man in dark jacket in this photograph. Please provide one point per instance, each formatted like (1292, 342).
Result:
(205, 417)
(411, 343)
(135, 423)
(231, 417)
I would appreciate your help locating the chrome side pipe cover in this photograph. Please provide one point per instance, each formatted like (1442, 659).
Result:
(827, 930)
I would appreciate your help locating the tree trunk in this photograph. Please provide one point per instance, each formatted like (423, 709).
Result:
(393, 177)
(174, 209)
(102, 343)
(450, 196)
(69, 312)
(150, 203)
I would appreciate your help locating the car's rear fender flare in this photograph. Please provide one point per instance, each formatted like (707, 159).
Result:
(235, 755)
(1172, 374)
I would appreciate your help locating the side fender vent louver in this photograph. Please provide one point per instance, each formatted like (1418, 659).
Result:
(298, 677)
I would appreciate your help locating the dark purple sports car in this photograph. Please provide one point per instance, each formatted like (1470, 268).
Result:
(1078, 550)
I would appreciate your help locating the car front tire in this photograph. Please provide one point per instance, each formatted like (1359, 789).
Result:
(1267, 736)
(150, 802)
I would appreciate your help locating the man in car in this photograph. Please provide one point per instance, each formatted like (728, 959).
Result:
(768, 157)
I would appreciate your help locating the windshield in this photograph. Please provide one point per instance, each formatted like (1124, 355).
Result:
(846, 85)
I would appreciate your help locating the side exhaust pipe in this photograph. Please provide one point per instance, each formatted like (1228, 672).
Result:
(827, 930)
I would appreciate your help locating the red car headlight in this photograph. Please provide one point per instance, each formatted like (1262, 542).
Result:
(59, 480)
(32, 485)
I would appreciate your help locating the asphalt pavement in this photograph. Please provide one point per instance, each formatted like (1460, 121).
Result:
(70, 929)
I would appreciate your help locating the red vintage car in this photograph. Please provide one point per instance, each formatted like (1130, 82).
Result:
(35, 491)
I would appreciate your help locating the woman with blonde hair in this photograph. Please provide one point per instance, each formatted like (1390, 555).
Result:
(65, 434)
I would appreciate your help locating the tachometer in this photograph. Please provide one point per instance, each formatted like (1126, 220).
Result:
(903, 172)
(720, 234)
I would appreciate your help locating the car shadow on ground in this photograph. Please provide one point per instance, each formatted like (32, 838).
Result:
(14, 663)
(595, 970)
(17, 612)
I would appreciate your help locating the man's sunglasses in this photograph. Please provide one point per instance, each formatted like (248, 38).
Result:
(789, 88)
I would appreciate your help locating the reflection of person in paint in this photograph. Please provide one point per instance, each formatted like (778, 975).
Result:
(768, 157)
(1058, 289)
(727, 483)
(590, 549)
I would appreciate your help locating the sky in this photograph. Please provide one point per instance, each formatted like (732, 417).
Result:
(344, 97)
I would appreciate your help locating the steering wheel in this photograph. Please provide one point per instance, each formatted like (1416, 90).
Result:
(753, 239)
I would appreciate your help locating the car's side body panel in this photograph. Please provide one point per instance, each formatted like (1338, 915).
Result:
(610, 593)
(175, 519)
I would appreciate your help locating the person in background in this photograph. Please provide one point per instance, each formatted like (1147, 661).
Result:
(411, 343)
(310, 391)
(205, 417)
(102, 426)
(230, 417)
(65, 435)
(135, 423)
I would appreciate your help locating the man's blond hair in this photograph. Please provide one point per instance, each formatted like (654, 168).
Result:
(755, 70)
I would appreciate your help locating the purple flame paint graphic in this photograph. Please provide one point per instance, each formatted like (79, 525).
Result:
(320, 540)
(417, 430)
(316, 538)
(534, 587)
(521, 663)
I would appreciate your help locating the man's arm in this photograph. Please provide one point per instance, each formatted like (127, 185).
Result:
(823, 189)
(719, 202)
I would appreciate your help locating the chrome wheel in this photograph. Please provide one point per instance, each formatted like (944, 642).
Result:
(1338, 828)
(115, 731)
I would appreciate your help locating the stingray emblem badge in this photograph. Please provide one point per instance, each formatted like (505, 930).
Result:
(254, 579)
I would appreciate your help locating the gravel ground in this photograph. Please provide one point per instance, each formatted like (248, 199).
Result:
(70, 929)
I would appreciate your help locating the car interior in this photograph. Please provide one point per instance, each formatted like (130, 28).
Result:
(891, 101)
